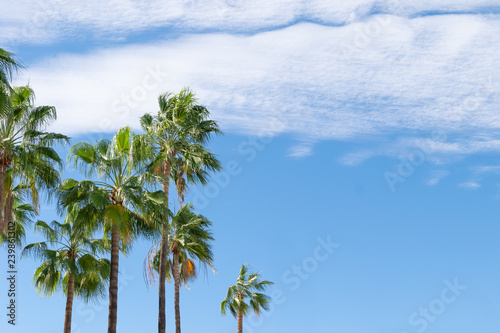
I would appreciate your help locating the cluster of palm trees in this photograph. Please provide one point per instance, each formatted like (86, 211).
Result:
(124, 197)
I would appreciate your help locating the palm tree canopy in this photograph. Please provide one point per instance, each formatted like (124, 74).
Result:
(27, 158)
(74, 253)
(118, 196)
(188, 269)
(248, 286)
(179, 130)
(191, 236)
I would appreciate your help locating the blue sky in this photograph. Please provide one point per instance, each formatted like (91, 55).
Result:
(360, 154)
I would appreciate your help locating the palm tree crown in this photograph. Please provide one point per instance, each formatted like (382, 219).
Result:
(26, 151)
(247, 287)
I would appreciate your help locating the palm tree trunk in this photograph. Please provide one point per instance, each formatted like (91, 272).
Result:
(177, 280)
(240, 322)
(69, 305)
(113, 278)
(7, 211)
(163, 257)
(3, 222)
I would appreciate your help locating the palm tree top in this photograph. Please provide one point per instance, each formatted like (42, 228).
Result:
(179, 120)
(73, 253)
(248, 286)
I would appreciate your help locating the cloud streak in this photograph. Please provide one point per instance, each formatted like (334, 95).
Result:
(52, 20)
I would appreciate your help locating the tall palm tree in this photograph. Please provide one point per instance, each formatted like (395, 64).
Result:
(246, 287)
(72, 266)
(26, 150)
(116, 201)
(178, 131)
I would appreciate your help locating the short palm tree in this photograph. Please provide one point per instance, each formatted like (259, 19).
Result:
(177, 132)
(116, 201)
(189, 242)
(247, 287)
(26, 150)
(72, 265)
(190, 238)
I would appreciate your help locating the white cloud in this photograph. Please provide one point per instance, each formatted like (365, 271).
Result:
(412, 75)
(436, 177)
(355, 158)
(300, 151)
(471, 185)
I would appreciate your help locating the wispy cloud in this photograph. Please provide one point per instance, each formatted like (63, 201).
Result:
(471, 185)
(301, 150)
(487, 169)
(50, 20)
(437, 151)
(436, 177)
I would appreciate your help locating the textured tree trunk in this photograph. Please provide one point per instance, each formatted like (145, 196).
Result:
(240, 322)
(69, 305)
(7, 211)
(113, 279)
(163, 257)
(3, 222)
(177, 283)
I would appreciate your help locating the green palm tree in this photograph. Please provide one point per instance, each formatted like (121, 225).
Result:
(189, 242)
(190, 238)
(177, 133)
(72, 265)
(117, 200)
(26, 151)
(246, 287)
(187, 267)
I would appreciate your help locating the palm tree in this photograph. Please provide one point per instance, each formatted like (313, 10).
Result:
(191, 237)
(116, 201)
(178, 132)
(72, 265)
(190, 240)
(246, 287)
(26, 150)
